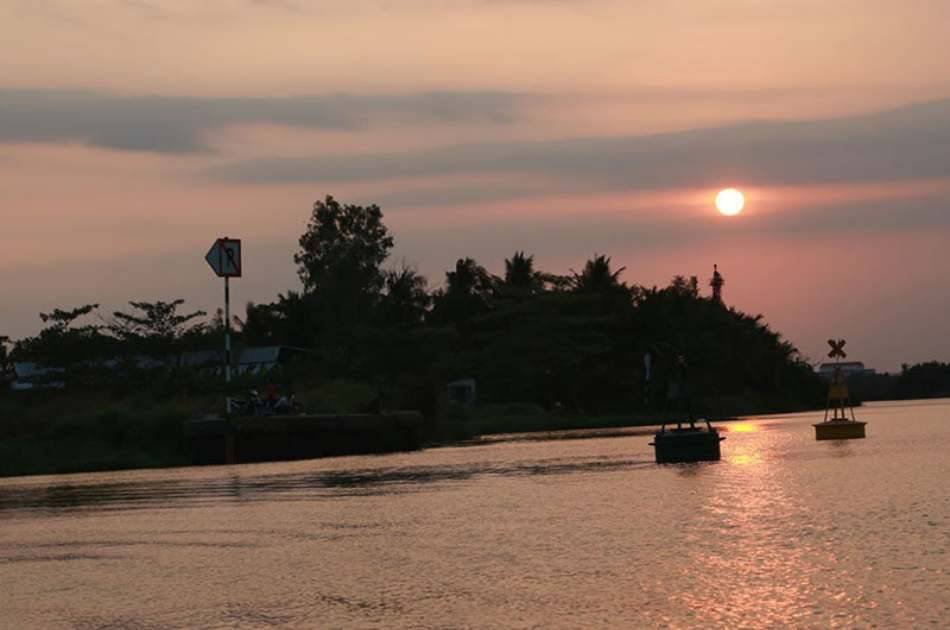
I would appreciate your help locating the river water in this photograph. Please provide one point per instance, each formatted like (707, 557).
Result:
(514, 533)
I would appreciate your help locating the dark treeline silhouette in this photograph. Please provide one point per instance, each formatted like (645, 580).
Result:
(922, 380)
(562, 342)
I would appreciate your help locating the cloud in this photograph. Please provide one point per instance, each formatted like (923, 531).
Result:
(907, 143)
(181, 124)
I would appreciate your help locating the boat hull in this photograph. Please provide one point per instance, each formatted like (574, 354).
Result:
(678, 446)
(840, 430)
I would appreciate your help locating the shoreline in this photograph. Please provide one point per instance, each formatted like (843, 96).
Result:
(111, 441)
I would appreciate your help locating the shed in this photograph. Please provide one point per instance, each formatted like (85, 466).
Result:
(462, 391)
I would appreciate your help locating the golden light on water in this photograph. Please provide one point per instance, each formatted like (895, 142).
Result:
(745, 459)
(745, 452)
(743, 427)
(730, 202)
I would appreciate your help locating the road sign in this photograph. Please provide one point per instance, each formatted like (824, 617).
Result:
(225, 257)
(837, 349)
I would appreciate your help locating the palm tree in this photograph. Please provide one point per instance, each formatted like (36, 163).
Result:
(405, 298)
(597, 277)
(520, 274)
(469, 278)
(469, 290)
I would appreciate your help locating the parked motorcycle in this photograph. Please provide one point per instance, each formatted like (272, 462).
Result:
(254, 405)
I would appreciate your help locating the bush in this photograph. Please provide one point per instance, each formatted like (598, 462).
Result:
(338, 396)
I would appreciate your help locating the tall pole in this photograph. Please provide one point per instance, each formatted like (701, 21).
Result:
(227, 329)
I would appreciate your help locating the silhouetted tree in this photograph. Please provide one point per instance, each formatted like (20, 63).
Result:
(520, 275)
(405, 299)
(61, 342)
(4, 354)
(60, 320)
(339, 260)
(923, 380)
(683, 286)
(343, 248)
(290, 321)
(469, 289)
(259, 324)
(597, 276)
(156, 328)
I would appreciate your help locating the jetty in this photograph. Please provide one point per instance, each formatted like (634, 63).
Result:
(239, 440)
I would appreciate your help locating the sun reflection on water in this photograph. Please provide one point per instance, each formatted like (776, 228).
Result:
(744, 459)
(744, 427)
(749, 510)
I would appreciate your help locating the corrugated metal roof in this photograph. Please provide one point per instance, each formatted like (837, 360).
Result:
(28, 369)
(262, 354)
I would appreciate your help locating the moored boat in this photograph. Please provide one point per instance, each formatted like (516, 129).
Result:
(685, 444)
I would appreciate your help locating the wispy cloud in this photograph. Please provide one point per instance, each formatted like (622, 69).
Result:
(908, 143)
(182, 124)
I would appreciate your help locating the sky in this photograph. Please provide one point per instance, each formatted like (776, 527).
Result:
(135, 132)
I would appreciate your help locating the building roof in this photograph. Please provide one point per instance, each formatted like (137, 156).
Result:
(262, 354)
(28, 369)
(844, 365)
(199, 358)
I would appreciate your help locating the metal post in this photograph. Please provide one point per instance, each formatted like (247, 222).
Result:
(227, 329)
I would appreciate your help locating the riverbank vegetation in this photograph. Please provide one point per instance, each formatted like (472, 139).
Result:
(545, 351)
(919, 381)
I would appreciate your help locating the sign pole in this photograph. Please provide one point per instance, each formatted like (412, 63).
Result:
(224, 258)
(227, 329)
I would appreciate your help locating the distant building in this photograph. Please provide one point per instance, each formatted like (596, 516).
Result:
(848, 369)
(265, 358)
(27, 376)
(251, 360)
(197, 359)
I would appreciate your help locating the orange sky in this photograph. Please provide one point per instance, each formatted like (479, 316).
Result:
(133, 133)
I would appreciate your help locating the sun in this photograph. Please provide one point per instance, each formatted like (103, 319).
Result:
(730, 202)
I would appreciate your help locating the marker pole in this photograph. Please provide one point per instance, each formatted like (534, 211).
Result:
(227, 329)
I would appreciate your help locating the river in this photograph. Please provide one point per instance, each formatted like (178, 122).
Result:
(514, 533)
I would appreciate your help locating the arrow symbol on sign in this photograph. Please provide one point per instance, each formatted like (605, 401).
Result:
(229, 253)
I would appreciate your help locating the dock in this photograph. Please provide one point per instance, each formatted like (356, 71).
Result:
(280, 438)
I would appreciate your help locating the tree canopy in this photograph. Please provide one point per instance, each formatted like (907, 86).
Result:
(574, 341)
(156, 328)
(343, 248)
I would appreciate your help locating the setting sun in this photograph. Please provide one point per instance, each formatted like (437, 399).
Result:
(730, 202)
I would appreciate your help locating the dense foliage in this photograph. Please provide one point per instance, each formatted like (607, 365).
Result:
(566, 342)
(922, 380)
